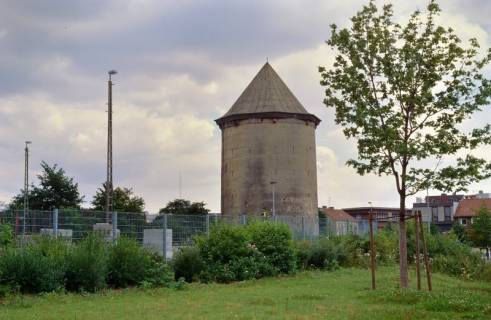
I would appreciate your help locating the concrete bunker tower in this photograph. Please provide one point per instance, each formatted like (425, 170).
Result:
(268, 143)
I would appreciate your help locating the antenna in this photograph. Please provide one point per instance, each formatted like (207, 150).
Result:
(26, 186)
(180, 185)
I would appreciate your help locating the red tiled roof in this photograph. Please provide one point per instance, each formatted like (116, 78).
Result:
(470, 207)
(337, 214)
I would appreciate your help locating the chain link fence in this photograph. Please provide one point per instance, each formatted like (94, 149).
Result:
(148, 229)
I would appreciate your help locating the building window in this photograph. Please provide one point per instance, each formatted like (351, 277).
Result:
(434, 214)
(448, 214)
(463, 222)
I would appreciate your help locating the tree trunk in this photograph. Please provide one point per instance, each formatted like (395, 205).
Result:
(403, 245)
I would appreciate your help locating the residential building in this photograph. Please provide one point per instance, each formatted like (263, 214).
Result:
(383, 215)
(338, 221)
(469, 208)
(441, 209)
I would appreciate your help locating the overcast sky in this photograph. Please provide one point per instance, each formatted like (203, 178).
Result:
(181, 65)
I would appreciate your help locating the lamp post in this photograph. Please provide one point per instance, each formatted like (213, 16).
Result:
(26, 186)
(273, 184)
(109, 179)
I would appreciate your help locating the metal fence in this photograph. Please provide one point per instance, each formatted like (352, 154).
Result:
(149, 230)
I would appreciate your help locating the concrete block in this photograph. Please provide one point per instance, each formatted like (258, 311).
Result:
(65, 233)
(154, 240)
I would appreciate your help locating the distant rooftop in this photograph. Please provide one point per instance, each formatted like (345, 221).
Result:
(336, 214)
(470, 207)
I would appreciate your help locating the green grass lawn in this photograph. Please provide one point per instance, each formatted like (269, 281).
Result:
(342, 294)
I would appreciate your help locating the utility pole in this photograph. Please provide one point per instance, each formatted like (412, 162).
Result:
(26, 186)
(273, 183)
(109, 180)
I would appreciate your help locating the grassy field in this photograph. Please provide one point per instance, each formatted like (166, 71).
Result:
(343, 294)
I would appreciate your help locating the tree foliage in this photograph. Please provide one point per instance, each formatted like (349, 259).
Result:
(55, 190)
(124, 200)
(480, 230)
(403, 92)
(182, 206)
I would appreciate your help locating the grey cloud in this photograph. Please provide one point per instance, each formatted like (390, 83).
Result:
(182, 65)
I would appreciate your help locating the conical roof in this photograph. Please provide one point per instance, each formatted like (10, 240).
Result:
(267, 95)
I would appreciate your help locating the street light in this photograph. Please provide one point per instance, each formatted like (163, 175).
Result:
(26, 186)
(273, 183)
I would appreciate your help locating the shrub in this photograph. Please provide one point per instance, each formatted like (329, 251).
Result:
(6, 235)
(255, 250)
(188, 264)
(387, 246)
(354, 252)
(486, 272)
(451, 256)
(128, 263)
(158, 273)
(36, 267)
(323, 254)
(87, 265)
(274, 241)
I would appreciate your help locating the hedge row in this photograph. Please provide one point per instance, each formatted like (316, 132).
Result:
(49, 264)
(229, 253)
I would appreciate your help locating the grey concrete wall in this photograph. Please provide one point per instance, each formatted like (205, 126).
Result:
(258, 151)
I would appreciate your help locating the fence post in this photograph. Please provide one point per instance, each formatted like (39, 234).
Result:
(416, 232)
(55, 222)
(425, 253)
(303, 228)
(372, 249)
(207, 224)
(114, 218)
(164, 240)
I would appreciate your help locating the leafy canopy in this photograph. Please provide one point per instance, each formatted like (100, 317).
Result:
(124, 200)
(403, 92)
(55, 190)
(480, 231)
(182, 206)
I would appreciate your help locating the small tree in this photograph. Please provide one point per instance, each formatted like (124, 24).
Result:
(55, 190)
(460, 232)
(182, 206)
(480, 230)
(124, 200)
(402, 92)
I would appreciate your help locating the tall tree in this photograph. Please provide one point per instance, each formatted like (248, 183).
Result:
(402, 92)
(480, 230)
(124, 200)
(55, 190)
(182, 206)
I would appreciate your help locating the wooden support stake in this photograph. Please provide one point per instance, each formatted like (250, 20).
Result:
(372, 250)
(425, 253)
(416, 232)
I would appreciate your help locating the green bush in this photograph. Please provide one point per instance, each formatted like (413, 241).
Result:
(158, 273)
(258, 249)
(451, 256)
(6, 235)
(87, 265)
(274, 242)
(354, 252)
(36, 267)
(188, 264)
(322, 254)
(128, 263)
(486, 272)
